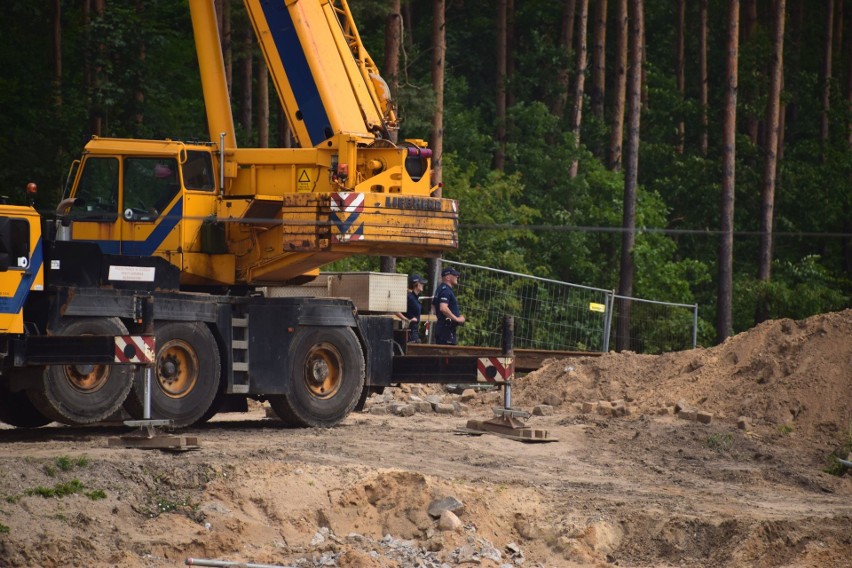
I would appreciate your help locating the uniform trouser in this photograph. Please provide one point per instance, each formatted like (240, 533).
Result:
(446, 335)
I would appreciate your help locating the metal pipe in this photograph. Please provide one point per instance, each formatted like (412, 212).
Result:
(508, 348)
(229, 564)
(694, 326)
(148, 329)
(146, 394)
(222, 162)
(610, 308)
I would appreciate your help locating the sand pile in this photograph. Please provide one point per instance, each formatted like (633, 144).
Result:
(782, 372)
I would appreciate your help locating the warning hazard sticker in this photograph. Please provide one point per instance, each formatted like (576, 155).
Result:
(303, 180)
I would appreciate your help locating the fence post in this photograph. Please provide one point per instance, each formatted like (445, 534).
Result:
(694, 325)
(609, 300)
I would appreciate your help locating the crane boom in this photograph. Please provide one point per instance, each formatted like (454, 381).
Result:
(226, 214)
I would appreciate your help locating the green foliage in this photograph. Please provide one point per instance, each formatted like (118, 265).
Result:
(786, 429)
(58, 490)
(4, 529)
(842, 452)
(797, 290)
(721, 443)
(95, 495)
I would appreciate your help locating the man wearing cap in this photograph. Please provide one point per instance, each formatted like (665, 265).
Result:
(412, 312)
(447, 308)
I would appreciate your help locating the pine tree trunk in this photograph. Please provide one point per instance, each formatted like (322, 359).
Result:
(776, 73)
(724, 321)
(511, 48)
(847, 221)
(95, 107)
(631, 171)
(285, 137)
(500, 153)
(225, 39)
(579, 86)
(598, 92)
(680, 69)
(393, 40)
(703, 143)
(797, 17)
(247, 79)
(620, 86)
(826, 73)
(407, 26)
(838, 27)
(749, 24)
(139, 88)
(439, 46)
(262, 104)
(566, 43)
(57, 55)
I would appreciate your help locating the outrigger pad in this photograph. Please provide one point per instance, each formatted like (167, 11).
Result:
(505, 429)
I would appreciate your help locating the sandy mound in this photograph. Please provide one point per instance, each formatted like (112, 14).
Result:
(782, 372)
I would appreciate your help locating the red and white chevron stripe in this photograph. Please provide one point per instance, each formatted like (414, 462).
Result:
(495, 369)
(349, 202)
(134, 349)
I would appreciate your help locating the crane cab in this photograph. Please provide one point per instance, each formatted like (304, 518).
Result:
(149, 198)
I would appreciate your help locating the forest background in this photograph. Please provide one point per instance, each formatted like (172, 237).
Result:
(688, 151)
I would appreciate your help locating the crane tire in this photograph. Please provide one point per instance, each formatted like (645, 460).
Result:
(75, 394)
(186, 374)
(326, 377)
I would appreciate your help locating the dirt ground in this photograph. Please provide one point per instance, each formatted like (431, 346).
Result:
(629, 482)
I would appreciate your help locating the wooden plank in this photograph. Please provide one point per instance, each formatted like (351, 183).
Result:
(157, 442)
(525, 359)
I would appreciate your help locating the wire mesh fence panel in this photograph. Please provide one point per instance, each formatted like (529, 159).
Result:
(651, 327)
(549, 315)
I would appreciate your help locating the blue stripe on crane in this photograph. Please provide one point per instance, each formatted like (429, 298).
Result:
(297, 69)
(15, 304)
(152, 242)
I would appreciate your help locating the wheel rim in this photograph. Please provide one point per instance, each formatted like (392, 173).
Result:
(323, 370)
(177, 369)
(86, 378)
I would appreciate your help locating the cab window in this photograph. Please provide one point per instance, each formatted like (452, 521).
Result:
(198, 171)
(150, 184)
(14, 243)
(98, 189)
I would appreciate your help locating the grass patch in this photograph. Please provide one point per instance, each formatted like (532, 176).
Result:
(786, 429)
(3, 529)
(833, 465)
(95, 495)
(159, 504)
(65, 463)
(58, 490)
(721, 443)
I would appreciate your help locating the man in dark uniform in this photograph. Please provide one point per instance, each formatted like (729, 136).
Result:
(447, 308)
(412, 311)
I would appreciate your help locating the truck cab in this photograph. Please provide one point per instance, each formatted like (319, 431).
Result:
(149, 198)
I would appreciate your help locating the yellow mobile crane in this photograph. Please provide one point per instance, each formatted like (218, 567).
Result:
(200, 230)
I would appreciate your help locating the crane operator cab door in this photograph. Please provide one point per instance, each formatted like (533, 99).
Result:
(152, 207)
(129, 205)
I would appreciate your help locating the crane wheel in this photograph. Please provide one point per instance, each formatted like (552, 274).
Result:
(186, 374)
(326, 377)
(16, 408)
(83, 394)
